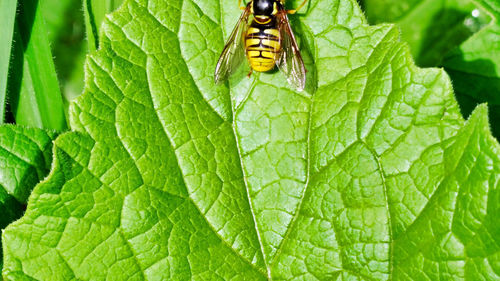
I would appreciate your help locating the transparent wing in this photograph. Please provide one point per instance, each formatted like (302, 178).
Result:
(290, 61)
(234, 52)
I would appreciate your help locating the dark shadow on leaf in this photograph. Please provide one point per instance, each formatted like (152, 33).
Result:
(475, 83)
(12, 210)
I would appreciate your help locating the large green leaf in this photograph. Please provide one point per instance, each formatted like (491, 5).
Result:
(475, 68)
(431, 27)
(25, 158)
(369, 174)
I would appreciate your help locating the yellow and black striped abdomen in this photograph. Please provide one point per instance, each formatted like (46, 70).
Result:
(262, 45)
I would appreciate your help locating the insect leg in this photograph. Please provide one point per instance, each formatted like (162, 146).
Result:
(298, 8)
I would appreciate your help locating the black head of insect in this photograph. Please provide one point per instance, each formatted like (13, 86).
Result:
(264, 10)
(265, 7)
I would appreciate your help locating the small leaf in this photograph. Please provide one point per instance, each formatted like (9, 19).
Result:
(25, 158)
(370, 174)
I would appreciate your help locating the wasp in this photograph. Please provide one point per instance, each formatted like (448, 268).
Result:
(265, 40)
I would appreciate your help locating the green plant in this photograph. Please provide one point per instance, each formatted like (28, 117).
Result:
(8, 14)
(370, 174)
(25, 158)
(32, 92)
(443, 33)
(475, 68)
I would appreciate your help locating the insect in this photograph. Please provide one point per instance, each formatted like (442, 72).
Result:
(267, 40)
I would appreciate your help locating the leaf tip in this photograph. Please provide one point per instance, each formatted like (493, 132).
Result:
(479, 118)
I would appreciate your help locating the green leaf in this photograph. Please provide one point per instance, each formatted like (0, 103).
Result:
(35, 97)
(432, 28)
(475, 68)
(370, 174)
(8, 11)
(473, 65)
(25, 158)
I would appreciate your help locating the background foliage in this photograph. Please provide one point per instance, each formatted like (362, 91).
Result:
(460, 35)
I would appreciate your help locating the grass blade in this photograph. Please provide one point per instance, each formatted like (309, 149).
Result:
(90, 26)
(8, 9)
(95, 12)
(34, 88)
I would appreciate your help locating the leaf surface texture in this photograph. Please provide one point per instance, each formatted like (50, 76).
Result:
(370, 174)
